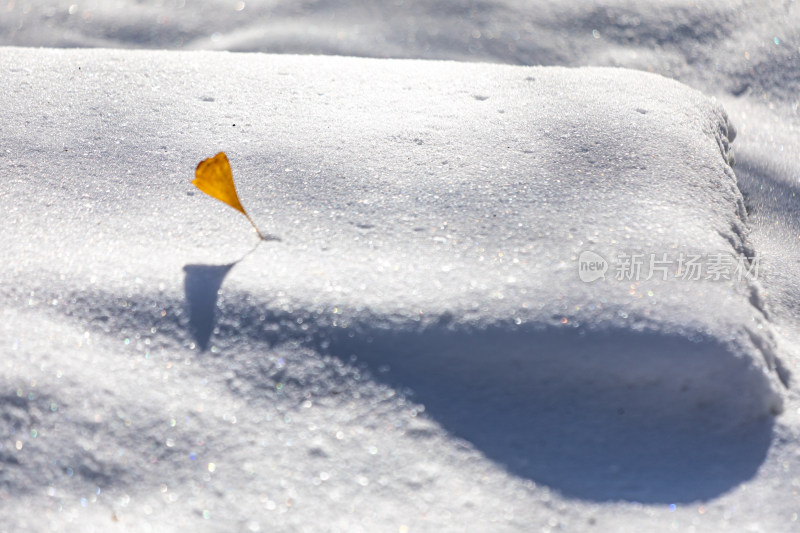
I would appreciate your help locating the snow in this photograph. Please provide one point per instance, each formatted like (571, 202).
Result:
(418, 352)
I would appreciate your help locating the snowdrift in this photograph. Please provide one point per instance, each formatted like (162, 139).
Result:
(427, 290)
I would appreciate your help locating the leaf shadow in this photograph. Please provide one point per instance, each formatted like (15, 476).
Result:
(201, 285)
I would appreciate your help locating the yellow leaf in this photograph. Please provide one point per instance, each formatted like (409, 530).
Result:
(213, 176)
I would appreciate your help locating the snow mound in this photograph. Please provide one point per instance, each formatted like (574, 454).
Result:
(426, 290)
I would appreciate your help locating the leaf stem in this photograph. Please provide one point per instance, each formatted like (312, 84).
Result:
(260, 236)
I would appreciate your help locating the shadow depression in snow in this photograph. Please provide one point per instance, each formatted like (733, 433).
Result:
(601, 416)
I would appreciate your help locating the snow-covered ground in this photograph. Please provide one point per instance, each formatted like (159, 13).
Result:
(419, 351)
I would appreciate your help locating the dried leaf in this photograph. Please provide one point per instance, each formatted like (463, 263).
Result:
(214, 177)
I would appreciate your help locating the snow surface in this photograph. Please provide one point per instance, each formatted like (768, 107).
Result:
(418, 352)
